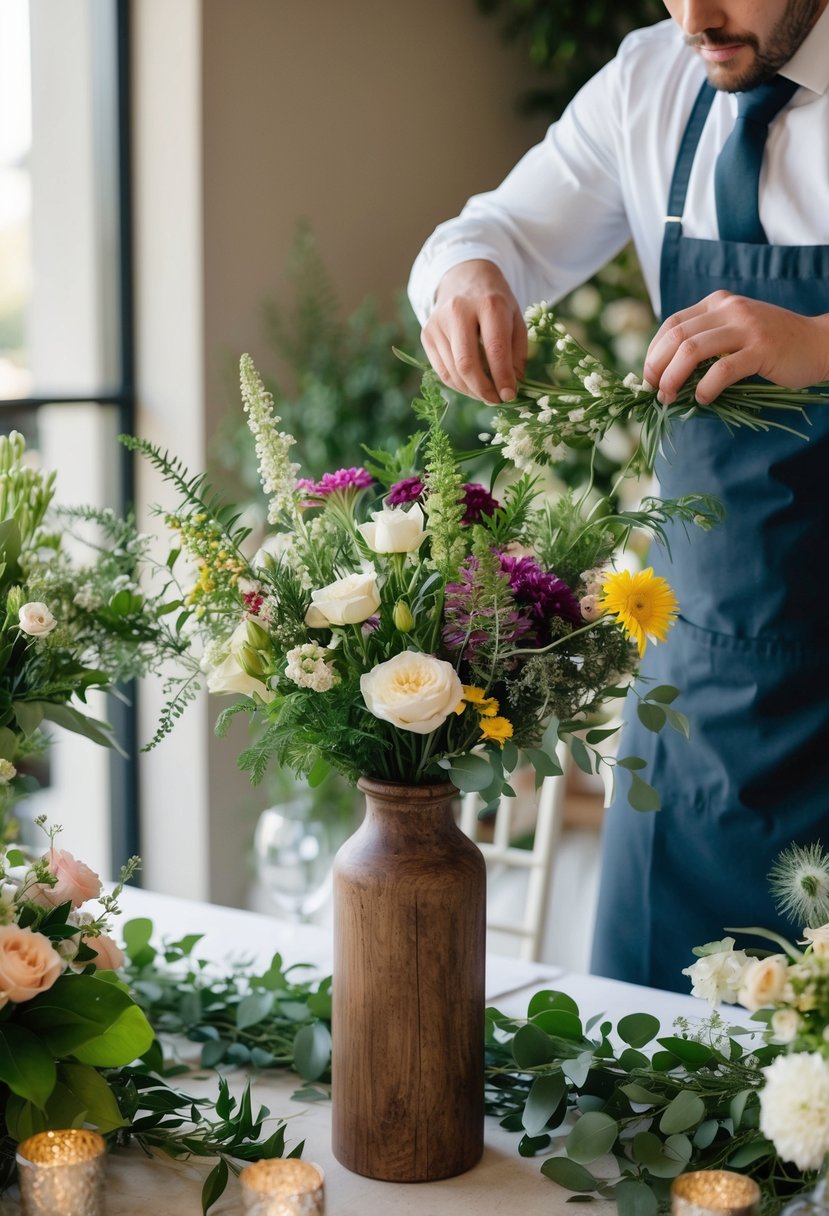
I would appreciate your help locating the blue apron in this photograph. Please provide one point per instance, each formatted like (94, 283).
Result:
(750, 650)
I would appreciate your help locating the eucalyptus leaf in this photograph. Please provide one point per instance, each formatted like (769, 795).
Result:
(637, 1029)
(312, 1051)
(635, 1198)
(593, 1135)
(543, 1101)
(569, 1174)
(682, 1112)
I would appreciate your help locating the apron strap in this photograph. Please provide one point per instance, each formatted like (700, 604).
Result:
(679, 185)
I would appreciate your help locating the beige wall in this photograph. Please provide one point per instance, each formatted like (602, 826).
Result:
(370, 119)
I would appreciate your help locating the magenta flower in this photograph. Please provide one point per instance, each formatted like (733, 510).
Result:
(410, 489)
(343, 479)
(540, 594)
(477, 502)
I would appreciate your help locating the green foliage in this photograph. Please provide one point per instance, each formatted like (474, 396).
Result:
(567, 41)
(688, 1101)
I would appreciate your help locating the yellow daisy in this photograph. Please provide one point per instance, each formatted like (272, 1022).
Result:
(486, 706)
(643, 604)
(496, 729)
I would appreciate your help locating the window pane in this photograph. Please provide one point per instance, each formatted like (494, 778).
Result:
(59, 321)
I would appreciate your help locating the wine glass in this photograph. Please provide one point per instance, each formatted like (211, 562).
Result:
(294, 856)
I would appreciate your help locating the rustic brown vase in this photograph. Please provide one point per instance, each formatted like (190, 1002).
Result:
(408, 989)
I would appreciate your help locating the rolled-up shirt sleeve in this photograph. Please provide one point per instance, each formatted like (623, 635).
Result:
(554, 220)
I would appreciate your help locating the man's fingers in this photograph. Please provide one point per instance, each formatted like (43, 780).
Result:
(496, 323)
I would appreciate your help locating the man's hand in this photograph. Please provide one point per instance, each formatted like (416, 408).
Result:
(746, 337)
(476, 338)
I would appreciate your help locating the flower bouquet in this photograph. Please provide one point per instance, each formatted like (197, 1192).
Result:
(75, 1048)
(404, 624)
(68, 625)
(580, 399)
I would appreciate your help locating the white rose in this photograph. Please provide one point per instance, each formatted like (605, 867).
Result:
(763, 982)
(785, 1024)
(273, 548)
(36, 619)
(229, 677)
(819, 939)
(348, 601)
(394, 530)
(413, 691)
(717, 976)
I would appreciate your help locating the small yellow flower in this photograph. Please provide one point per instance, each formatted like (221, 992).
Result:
(643, 604)
(496, 729)
(486, 706)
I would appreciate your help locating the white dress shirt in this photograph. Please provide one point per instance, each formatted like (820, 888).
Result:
(601, 174)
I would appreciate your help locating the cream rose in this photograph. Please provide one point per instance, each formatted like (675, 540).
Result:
(76, 883)
(348, 601)
(108, 954)
(819, 940)
(763, 982)
(785, 1024)
(36, 619)
(28, 964)
(413, 691)
(394, 530)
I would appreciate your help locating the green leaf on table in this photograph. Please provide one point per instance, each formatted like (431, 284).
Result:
(88, 1018)
(682, 1112)
(632, 1060)
(26, 1064)
(561, 1023)
(635, 1198)
(664, 1159)
(254, 1008)
(531, 1047)
(549, 998)
(530, 1146)
(593, 1135)
(689, 1051)
(543, 1101)
(577, 1070)
(136, 934)
(569, 1174)
(214, 1186)
(312, 1051)
(637, 1029)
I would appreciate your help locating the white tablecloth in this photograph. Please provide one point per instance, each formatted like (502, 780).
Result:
(502, 1182)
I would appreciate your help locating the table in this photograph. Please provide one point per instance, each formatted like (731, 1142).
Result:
(502, 1181)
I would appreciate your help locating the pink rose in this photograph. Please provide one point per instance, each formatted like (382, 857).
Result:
(29, 964)
(108, 954)
(76, 883)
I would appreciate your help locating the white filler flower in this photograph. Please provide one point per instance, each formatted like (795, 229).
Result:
(794, 1108)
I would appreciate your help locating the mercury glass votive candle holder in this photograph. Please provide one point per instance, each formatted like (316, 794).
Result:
(714, 1193)
(62, 1172)
(282, 1187)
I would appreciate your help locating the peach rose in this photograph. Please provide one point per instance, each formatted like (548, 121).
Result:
(29, 964)
(76, 883)
(108, 954)
(763, 982)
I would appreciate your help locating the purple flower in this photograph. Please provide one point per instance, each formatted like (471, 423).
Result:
(477, 502)
(410, 489)
(343, 479)
(461, 606)
(543, 595)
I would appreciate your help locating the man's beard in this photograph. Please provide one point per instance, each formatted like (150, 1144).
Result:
(780, 46)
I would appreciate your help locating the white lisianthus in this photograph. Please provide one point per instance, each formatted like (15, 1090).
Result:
(36, 619)
(717, 976)
(348, 601)
(819, 940)
(763, 982)
(785, 1024)
(394, 530)
(307, 667)
(794, 1108)
(413, 691)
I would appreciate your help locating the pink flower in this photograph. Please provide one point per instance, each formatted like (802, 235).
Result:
(76, 883)
(343, 479)
(28, 964)
(410, 489)
(108, 954)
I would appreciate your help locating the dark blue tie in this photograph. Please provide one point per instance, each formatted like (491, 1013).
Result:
(737, 172)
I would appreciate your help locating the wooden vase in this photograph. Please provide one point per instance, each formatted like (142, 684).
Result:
(408, 989)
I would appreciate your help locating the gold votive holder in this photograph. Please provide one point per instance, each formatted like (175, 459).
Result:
(722, 1192)
(282, 1187)
(62, 1172)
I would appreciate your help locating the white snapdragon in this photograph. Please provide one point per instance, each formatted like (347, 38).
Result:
(307, 667)
(276, 472)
